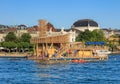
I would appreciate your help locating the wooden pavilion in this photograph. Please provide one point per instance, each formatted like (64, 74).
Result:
(47, 44)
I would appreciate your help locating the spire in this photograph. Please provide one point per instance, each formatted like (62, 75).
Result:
(88, 25)
(50, 30)
(62, 29)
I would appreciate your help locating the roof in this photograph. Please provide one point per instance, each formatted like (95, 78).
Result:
(22, 25)
(10, 30)
(85, 22)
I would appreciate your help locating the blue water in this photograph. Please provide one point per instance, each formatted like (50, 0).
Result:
(23, 71)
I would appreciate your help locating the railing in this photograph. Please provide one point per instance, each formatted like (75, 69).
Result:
(62, 51)
(118, 47)
(68, 47)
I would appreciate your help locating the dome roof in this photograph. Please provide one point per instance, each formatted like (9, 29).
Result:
(85, 22)
(22, 25)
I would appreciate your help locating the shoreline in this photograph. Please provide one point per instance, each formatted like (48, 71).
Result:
(115, 52)
(25, 55)
(12, 55)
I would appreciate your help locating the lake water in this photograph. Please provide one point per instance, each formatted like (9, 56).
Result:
(23, 71)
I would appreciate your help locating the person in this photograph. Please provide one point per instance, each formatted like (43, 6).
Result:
(94, 53)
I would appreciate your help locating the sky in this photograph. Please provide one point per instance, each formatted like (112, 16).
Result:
(61, 13)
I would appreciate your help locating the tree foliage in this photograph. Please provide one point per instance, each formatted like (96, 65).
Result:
(25, 37)
(22, 46)
(9, 45)
(95, 35)
(12, 42)
(98, 35)
(10, 37)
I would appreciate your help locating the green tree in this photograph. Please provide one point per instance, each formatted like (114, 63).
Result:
(9, 45)
(31, 47)
(23, 43)
(10, 37)
(95, 35)
(19, 46)
(84, 36)
(22, 46)
(0, 44)
(26, 37)
(98, 35)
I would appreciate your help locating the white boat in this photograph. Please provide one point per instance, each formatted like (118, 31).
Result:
(103, 52)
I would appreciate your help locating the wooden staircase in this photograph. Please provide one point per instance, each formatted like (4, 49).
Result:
(62, 51)
(66, 48)
(118, 47)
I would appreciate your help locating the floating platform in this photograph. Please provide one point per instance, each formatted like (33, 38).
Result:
(43, 60)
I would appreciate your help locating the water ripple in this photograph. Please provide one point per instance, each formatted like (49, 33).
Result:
(23, 71)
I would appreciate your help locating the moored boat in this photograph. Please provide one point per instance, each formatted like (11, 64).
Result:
(103, 52)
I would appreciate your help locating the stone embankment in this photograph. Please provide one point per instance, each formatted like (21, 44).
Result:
(13, 54)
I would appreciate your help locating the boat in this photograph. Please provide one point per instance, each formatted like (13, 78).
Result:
(103, 52)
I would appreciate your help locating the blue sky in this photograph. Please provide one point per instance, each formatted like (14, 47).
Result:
(61, 13)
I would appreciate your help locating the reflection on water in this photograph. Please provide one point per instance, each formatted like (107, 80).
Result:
(23, 71)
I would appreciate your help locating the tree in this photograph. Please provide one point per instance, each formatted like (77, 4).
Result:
(9, 45)
(19, 46)
(31, 47)
(95, 35)
(0, 44)
(98, 35)
(84, 36)
(10, 37)
(25, 37)
(22, 46)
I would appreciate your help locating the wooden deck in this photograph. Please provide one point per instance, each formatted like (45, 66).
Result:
(44, 60)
